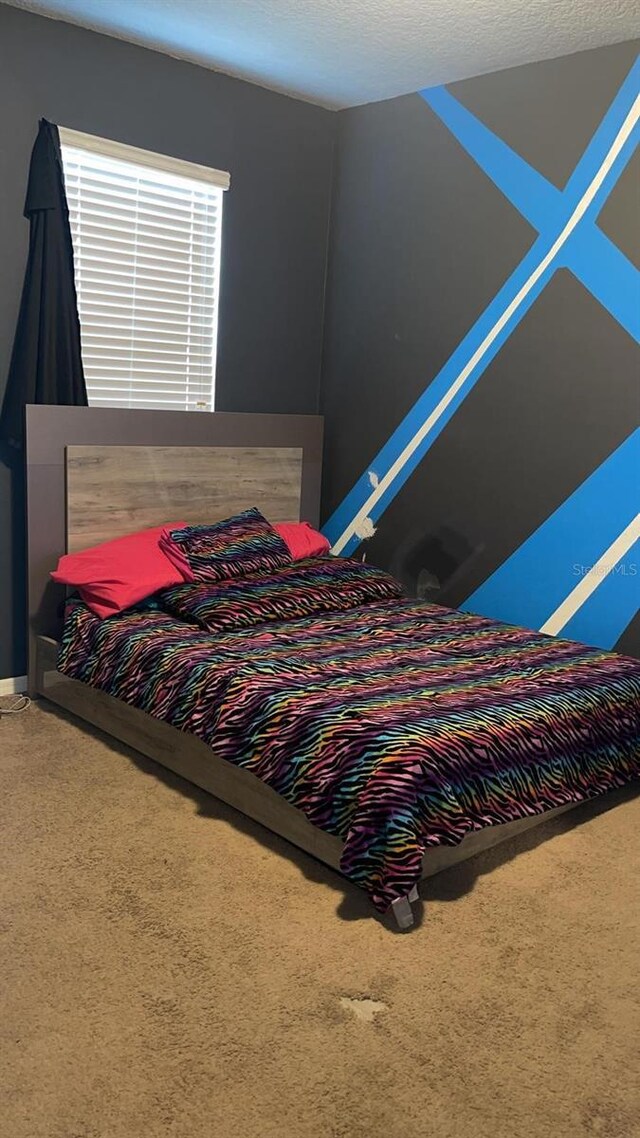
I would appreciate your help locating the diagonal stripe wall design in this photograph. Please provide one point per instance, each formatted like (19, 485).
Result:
(584, 558)
(600, 521)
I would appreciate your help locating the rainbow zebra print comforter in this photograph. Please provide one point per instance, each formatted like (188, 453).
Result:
(394, 724)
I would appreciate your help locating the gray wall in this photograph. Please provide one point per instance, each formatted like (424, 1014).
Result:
(421, 242)
(279, 153)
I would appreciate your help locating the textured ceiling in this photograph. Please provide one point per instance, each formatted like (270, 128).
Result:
(344, 52)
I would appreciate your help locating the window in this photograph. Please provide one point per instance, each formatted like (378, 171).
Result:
(146, 236)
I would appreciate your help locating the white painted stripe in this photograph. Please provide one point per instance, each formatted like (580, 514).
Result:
(13, 685)
(387, 479)
(596, 575)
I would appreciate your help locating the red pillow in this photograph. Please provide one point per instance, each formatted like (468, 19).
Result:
(116, 574)
(302, 540)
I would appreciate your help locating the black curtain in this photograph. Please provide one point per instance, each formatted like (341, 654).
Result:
(46, 365)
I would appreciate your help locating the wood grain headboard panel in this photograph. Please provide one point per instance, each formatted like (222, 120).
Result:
(129, 469)
(114, 490)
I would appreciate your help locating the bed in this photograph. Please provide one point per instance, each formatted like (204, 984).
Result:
(388, 737)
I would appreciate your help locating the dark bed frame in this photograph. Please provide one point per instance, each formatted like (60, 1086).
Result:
(95, 474)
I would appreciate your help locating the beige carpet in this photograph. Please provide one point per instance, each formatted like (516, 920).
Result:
(170, 969)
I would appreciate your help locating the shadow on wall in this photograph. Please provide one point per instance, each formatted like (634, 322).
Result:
(430, 565)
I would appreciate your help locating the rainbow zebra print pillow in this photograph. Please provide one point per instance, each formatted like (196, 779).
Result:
(245, 543)
(303, 589)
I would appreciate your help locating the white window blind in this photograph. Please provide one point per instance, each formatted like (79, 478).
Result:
(146, 236)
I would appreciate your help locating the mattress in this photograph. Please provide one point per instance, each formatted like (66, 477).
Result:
(394, 724)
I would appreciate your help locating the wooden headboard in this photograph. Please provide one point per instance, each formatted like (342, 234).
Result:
(113, 490)
(98, 473)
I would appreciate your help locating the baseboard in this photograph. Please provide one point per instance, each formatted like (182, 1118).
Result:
(13, 684)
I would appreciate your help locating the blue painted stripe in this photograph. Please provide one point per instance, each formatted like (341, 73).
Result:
(611, 608)
(617, 168)
(537, 578)
(357, 499)
(604, 135)
(611, 278)
(597, 263)
(429, 401)
(532, 195)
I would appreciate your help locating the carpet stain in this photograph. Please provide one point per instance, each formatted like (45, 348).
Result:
(362, 1007)
(171, 970)
(607, 1120)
